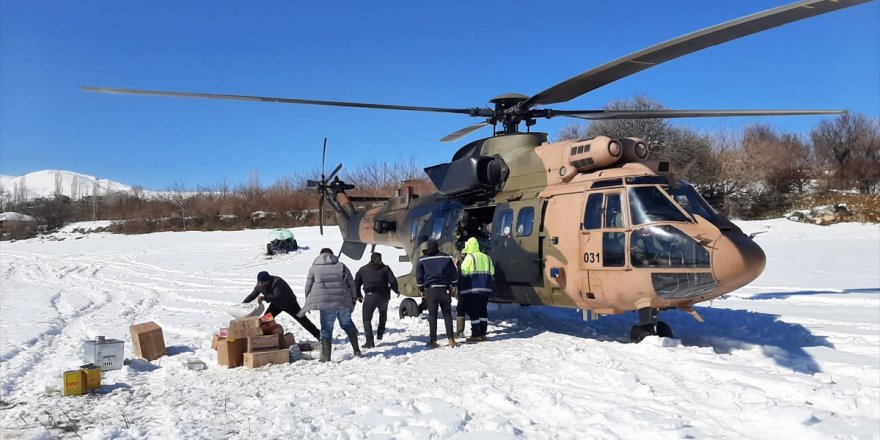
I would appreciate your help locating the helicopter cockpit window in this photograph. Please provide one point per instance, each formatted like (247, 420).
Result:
(689, 199)
(524, 221)
(593, 212)
(647, 180)
(648, 204)
(437, 229)
(506, 225)
(613, 251)
(666, 246)
(607, 183)
(613, 211)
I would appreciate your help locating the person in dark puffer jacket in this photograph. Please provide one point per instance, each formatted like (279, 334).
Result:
(330, 289)
(281, 298)
(377, 282)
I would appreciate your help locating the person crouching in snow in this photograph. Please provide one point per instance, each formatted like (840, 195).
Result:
(330, 289)
(281, 299)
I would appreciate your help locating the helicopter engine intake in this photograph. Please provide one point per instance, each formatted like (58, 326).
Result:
(472, 176)
(591, 154)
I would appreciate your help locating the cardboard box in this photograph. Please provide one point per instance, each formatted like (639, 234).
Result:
(230, 352)
(244, 333)
(216, 340)
(246, 322)
(263, 343)
(287, 340)
(148, 340)
(261, 358)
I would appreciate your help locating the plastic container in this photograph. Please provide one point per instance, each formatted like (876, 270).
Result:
(194, 364)
(104, 353)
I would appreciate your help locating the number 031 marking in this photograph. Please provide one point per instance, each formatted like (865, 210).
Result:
(591, 257)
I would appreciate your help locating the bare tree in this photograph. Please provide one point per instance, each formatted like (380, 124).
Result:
(850, 145)
(59, 182)
(572, 131)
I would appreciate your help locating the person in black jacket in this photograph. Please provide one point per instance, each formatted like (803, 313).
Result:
(281, 299)
(377, 282)
(436, 275)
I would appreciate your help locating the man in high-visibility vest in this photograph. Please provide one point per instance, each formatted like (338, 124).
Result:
(475, 284)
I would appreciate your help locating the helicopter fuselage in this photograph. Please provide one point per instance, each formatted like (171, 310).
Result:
(587, 224)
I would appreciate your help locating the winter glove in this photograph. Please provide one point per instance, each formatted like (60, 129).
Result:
(360, 298)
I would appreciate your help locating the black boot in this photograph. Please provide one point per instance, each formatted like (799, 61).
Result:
(326, 348)
(353, 338)
(369, 343)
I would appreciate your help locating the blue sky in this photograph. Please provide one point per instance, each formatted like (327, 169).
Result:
(442, 54)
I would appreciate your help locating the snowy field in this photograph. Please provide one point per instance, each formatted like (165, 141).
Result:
(794, 355)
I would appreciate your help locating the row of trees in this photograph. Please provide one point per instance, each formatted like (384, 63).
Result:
(754, 172)
(221, 206)
(759, 170)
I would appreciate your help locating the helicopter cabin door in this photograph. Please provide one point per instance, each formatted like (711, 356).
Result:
(515, 242)
(603, 240)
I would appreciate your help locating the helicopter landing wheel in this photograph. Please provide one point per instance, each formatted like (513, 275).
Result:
(409, 307)
(639, 332)
(664, 330)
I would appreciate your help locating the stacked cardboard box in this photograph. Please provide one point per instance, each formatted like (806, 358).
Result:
(148, 340)
(253, 342)
(244, 327)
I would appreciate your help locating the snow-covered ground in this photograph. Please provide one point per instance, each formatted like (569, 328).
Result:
(794, 355)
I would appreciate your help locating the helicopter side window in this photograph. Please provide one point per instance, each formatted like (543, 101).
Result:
(613, 211)
(593, 212)
(437, 229)
(415, 229)
(648, 204)
(666, 246)
(524, 221)
(506, 222)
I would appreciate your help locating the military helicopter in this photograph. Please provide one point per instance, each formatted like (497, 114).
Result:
(588, 224)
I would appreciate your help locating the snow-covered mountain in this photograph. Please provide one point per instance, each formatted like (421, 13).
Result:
(45, 183)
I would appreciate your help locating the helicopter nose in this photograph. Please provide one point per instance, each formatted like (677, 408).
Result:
(737, 260)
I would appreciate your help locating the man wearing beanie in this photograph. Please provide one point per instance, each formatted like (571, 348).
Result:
(435, 276)
(330, 289)
(281, 298)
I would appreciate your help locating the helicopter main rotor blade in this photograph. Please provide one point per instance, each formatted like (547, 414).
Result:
(274, 99)
(686, 44)
(323, 158)
(596, 115)
(333, 173)
(463, 132)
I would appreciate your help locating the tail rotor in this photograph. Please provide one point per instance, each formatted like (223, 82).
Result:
(322, 186)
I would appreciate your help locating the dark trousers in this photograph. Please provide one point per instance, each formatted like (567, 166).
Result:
(304, 321)
(372, 302)
(478, 312)
(439, 297)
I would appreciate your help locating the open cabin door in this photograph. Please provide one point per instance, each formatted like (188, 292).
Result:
(515, 249)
